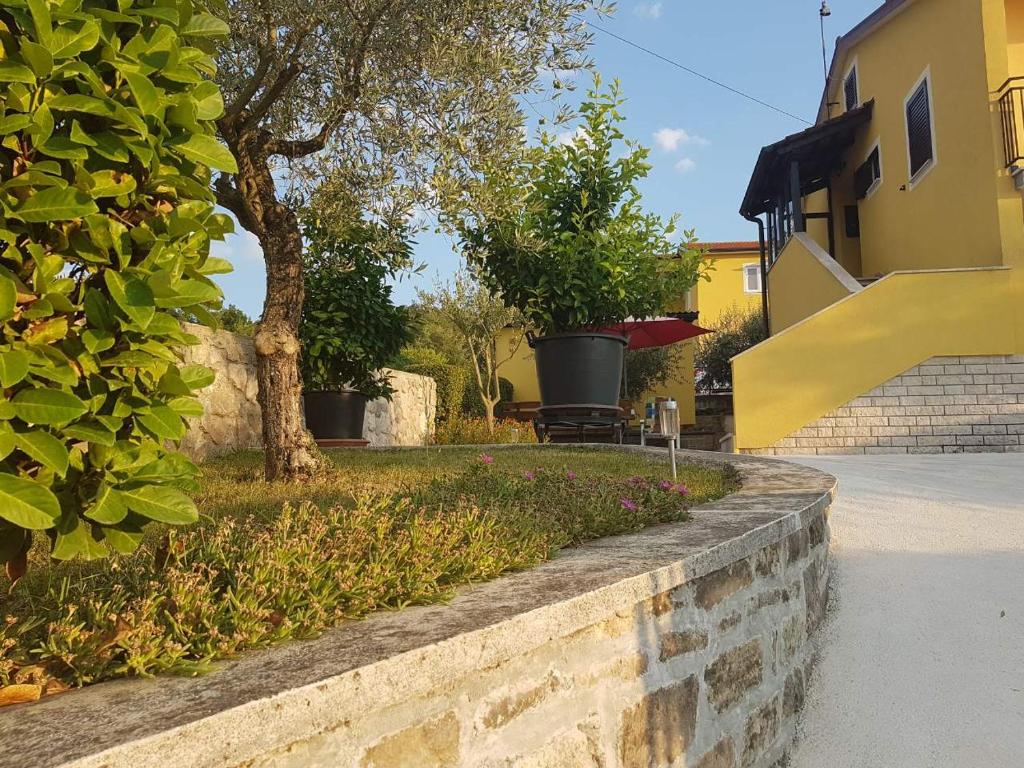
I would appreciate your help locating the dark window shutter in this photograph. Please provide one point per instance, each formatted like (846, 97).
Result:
(851, 218)
(850, 87)
(919, 129)
(866, 174)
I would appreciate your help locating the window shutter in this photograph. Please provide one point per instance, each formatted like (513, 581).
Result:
(866, 175)
(919, 129)
(850, 88)
(851, 217)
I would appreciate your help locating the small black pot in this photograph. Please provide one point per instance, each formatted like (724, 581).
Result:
(335, 415)
(579, 368)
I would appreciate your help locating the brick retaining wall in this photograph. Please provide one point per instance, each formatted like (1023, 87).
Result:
(945, 405)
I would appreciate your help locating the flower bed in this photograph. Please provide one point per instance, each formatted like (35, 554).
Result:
(384, 530)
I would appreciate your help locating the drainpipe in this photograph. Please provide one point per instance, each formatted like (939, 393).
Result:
(764, 270)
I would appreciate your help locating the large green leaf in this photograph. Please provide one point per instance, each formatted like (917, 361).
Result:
(76, 538)
(131, 295)
(8, 297)
(55, 204)
(197, 376)
(40, 11)
(109, 508)
(38, 57)
(111, 184)
(161, 503)
(68, 42)
(13, 72)
(206, 150)
(205, 25)
(45, 448)
(163, 422)
(208, 100)
(144, 92)
(13, 366)
(47, 406)
(90, 433)
(27, 504)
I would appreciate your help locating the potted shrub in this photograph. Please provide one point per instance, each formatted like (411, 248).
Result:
(350, 327)
(562, 237)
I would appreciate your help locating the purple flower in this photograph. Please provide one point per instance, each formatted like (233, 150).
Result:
(682, 490)
(666, 485)
(638, 482)
(530, 475)
(486, 458)
(628, 504)
(570, 475)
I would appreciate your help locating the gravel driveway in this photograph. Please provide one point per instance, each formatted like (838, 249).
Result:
(922, 659)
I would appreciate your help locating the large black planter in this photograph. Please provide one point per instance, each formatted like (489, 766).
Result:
(335, 415)
(579, 368)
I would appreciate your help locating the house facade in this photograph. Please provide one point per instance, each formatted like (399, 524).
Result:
(734, 284)
(893, 240)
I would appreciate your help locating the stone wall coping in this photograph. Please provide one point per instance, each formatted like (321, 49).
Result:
(241, 710)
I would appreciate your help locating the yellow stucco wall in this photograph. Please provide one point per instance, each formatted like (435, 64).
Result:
(725, 289)
(950, 215)
(867, 338)
(802, 281)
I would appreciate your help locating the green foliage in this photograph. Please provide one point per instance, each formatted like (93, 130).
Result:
(452, 378)
(229, 318)
(648, 369)
(385, 531)
(565, 239)
(473, 430)
(106, 218)
(737, 330)
(350, 327)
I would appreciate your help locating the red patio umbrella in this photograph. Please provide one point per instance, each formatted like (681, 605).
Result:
(655, 332)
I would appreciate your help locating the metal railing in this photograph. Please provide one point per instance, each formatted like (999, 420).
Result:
(1011, 114)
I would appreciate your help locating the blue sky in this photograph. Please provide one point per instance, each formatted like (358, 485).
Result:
(703, 139)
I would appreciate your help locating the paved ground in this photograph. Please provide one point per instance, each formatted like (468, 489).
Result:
(923, 656)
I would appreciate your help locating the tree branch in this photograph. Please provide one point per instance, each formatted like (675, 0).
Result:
(229, 197)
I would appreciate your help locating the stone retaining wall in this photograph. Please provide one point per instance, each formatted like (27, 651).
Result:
(685, 644)
(231, 421)
(945, 405)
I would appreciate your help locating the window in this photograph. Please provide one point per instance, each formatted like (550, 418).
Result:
(752, 278)
(851, 219)
(920, 130)
(869, 175)
(850, 89)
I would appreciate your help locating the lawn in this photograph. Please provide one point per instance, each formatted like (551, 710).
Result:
(269, 562)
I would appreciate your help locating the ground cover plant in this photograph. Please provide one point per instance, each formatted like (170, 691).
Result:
(277, 561)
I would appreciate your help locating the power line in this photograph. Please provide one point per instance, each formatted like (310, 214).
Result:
(693, 72)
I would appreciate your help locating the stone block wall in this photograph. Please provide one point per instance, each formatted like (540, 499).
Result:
(232, 417)
(964, 404)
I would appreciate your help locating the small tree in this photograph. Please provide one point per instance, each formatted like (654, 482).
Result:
(392, 102)
(479, 317)
(650, 368)
(106, 218)
(564, 238)
(736, 330)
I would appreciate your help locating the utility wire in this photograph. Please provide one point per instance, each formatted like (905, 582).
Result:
(693, 72)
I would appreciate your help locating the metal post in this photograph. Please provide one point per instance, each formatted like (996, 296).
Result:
(672, 455)
(794, 189)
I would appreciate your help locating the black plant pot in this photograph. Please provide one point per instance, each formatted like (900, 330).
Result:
(335, 415)
(579, 368)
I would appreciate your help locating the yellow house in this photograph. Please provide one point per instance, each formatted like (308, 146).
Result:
(735, 282)
(893, 232)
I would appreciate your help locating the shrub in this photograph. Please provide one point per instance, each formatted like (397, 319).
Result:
(737, 330)
(563, 238)
(350, 327)
(106, 218)
(238, 583)
(647, 369)
(469, 430)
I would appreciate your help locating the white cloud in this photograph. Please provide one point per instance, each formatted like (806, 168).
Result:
(571, 136)
(648, 10)
(670, 139)
(685, 165)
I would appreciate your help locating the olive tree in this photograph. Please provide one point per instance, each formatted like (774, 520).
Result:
(379, 105)
(479, 317)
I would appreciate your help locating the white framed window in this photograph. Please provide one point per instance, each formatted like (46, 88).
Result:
(751, 278)
(851, 90)
(868, 176)
(919, 117)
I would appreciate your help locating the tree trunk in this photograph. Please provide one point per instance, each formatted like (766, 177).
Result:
(289, 450)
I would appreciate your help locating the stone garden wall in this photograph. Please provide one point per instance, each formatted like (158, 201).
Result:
(231, 420)
(965, 404)
(683, 645)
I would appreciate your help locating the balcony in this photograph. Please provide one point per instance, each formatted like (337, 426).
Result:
(1011, 115)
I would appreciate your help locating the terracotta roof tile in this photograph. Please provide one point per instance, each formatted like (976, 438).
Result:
(730, 245)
